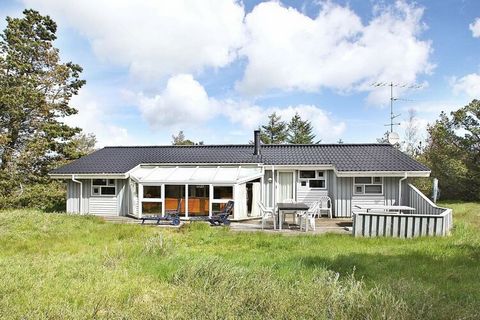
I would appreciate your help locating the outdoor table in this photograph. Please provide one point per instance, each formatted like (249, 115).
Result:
(385, 208)
(296, 206)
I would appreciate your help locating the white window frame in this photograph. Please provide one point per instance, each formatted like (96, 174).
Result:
(109, 185)
(372, 183)
(317, 177)
(159, 200)
(212, 195)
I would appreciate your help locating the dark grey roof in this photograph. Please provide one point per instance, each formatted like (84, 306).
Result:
(345, 157)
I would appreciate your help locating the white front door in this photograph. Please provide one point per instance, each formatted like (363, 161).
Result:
(286, 185)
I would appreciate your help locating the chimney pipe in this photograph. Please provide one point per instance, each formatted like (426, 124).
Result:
(256, 141)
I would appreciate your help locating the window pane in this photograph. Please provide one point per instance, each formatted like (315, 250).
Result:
(111, 182)
(108, 190)
(363, 180)
(373, 189)
(377, 180)
(96, 190)
(99, 182)
(307, 174)
(202, 191)
(358, 189)
(223, 192)
(320, 173)
(198, 199)
(151, 207)
(152, 192)
(317, 183)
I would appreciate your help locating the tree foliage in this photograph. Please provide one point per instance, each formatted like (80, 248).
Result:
(453, 152)
(181, 140)
(300, 131)
(275, 131)
(35, 91)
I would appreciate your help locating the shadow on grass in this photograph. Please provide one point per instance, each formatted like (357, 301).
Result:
(451, 280)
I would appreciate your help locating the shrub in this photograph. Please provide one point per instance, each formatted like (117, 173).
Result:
(47, 197)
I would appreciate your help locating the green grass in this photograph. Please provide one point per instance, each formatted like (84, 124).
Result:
(58, 266)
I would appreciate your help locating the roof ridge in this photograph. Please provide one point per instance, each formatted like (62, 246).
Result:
(251, 145)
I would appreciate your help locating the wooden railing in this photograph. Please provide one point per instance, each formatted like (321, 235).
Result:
(427, 220)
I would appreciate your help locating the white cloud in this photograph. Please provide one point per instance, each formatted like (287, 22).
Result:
(92, 118)
(469, 84)
(184, 101)
(155, 38)
(289, 50)
(475, 28)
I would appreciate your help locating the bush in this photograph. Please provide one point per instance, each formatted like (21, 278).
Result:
(47, 197)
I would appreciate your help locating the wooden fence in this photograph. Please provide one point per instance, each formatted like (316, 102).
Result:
(428, 219)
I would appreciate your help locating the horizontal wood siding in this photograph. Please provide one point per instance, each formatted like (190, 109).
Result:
(102, 205)
(308, 195)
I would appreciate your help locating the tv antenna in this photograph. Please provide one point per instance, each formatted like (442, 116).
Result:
(392, 98)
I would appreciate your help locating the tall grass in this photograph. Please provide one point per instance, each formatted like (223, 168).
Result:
(58, 266)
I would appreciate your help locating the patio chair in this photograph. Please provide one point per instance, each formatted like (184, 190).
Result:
(308, 217)
(325, 205)
(267, 213)
(172, 216)
(219, 218)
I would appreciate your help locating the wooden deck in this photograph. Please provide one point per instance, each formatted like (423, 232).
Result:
(323, 225)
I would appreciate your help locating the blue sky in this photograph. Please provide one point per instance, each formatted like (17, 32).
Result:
(215, 69)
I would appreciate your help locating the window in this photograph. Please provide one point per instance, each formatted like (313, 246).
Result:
(317, 184)
(103, 187)
(368, 185)
(222, 192)
(152, 208)
(154, 192)
(310, 174)
(313, 179)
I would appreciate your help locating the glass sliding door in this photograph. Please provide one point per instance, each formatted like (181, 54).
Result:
(198, 200)
(173, 193)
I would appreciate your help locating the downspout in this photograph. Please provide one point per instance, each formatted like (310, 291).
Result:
(81, 195)
(400, 188)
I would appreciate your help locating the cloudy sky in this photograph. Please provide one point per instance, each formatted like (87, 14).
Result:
(216, 68)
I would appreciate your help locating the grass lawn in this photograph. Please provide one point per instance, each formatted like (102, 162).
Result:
(57, 266)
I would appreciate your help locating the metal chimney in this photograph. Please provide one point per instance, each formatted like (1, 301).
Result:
(256, 141)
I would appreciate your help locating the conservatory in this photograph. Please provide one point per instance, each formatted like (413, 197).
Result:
(201, 189)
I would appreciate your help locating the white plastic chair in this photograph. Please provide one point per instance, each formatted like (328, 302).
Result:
(309, 216)
(325, 205)
(267, 213)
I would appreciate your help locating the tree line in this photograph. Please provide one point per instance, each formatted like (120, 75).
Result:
(275, 131)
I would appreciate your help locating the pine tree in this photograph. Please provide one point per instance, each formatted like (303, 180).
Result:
(300, 131)
(275, 132)
(35, 92)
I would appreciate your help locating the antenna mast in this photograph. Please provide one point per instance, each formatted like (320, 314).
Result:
(392, 98)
